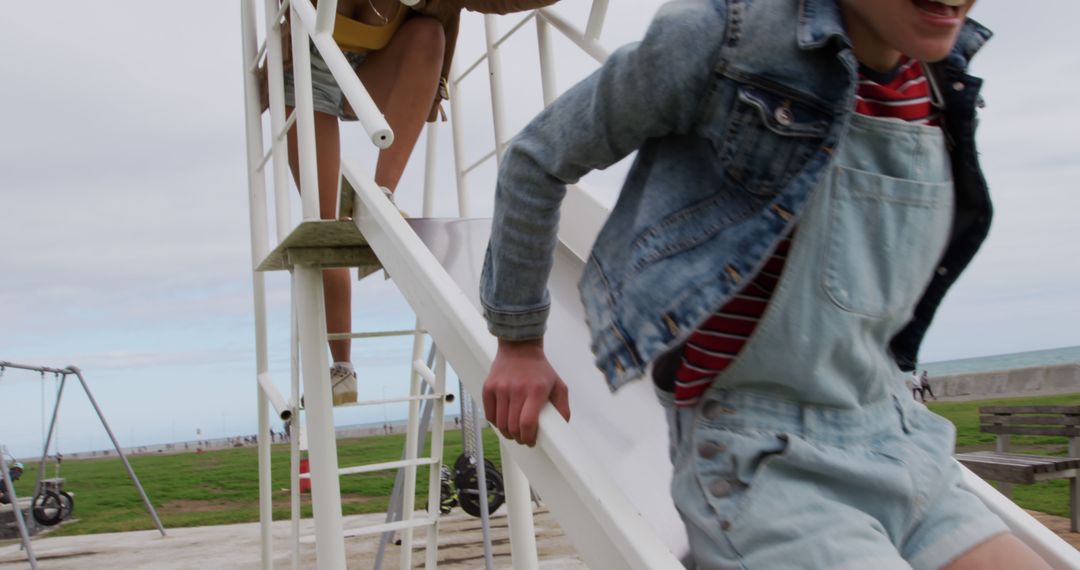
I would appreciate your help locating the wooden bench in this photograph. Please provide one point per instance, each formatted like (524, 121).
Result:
(1009, 468)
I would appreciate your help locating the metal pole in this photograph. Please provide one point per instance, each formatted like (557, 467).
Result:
(411, 437)
(519, 508)
(481, 486)
(266, 508)
(258, 221)
(596, 19)
(324, 16)
(295, 426)
(547, 60)
(430, 161)
(23, 534)
(458, 136)
(494, 73)
(6, 364)
(305, 118)
(275, 86)
(1074, 489)
(131, 472)
(435, 475)
(325, 486)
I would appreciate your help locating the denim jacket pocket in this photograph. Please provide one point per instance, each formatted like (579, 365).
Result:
(766, 138)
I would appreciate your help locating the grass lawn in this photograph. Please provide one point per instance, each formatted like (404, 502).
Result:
(221, 487)
(1046, 496)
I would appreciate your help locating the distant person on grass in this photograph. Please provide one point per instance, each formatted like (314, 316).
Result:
(404, 67)
(912, 381)
(806, 190)
(924, 384)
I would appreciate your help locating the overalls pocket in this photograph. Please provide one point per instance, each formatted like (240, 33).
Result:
(884, 241)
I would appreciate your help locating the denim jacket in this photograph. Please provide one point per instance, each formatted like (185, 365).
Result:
(735, 108)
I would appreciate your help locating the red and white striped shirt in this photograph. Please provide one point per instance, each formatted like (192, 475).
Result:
(904, 94)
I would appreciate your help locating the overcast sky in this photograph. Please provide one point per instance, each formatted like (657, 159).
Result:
(124, 244)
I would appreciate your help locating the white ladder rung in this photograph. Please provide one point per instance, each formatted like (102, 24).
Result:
(344, 336)
(387, 466)
(254, 65)
(393, 400)
(289, 121)
(400, 400)
(380, 528)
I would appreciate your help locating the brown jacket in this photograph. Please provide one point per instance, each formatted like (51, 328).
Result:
(449, 13)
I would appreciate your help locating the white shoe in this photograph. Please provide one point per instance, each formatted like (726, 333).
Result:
(390, 196)
(343, 385)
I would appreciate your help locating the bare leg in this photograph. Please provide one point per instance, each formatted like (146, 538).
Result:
(1003, 551)
(402, 79)
(337, 289)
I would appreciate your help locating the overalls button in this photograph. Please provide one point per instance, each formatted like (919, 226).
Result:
(958, 86)
(784, 116)
(710, 449)
(720, 488)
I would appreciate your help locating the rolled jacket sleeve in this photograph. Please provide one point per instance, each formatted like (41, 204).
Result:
(643, 91)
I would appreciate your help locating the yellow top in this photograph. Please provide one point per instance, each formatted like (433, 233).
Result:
(356, 36)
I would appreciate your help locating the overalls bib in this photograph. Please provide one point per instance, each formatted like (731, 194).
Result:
(807, 452)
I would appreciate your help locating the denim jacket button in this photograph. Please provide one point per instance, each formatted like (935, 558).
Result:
(784, 116)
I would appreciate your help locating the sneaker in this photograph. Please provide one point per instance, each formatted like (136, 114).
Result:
(343, 385)
(390, 196)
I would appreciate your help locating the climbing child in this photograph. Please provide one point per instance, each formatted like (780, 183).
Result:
(402, 55)
(806, 189)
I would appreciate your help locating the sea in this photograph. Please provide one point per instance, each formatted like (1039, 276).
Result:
(1049, 357)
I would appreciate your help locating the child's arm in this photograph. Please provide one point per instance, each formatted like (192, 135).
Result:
(646, 90)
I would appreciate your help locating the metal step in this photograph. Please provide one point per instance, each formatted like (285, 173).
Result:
(321, 243)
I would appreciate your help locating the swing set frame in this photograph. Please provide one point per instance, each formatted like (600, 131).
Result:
(62, 374)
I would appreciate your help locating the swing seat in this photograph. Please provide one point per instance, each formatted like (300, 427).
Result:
(356, 36)
(55, 484)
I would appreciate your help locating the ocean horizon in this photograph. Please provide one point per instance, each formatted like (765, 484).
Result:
(1047, 357)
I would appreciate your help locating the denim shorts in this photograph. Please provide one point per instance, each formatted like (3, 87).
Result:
(326, 94)
(765, 483)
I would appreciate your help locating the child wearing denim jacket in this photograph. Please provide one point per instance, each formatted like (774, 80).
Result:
(806, 190)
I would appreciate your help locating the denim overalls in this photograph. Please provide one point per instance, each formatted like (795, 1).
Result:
(808, 452)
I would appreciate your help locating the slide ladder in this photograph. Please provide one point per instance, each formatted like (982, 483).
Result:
(603, 476)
